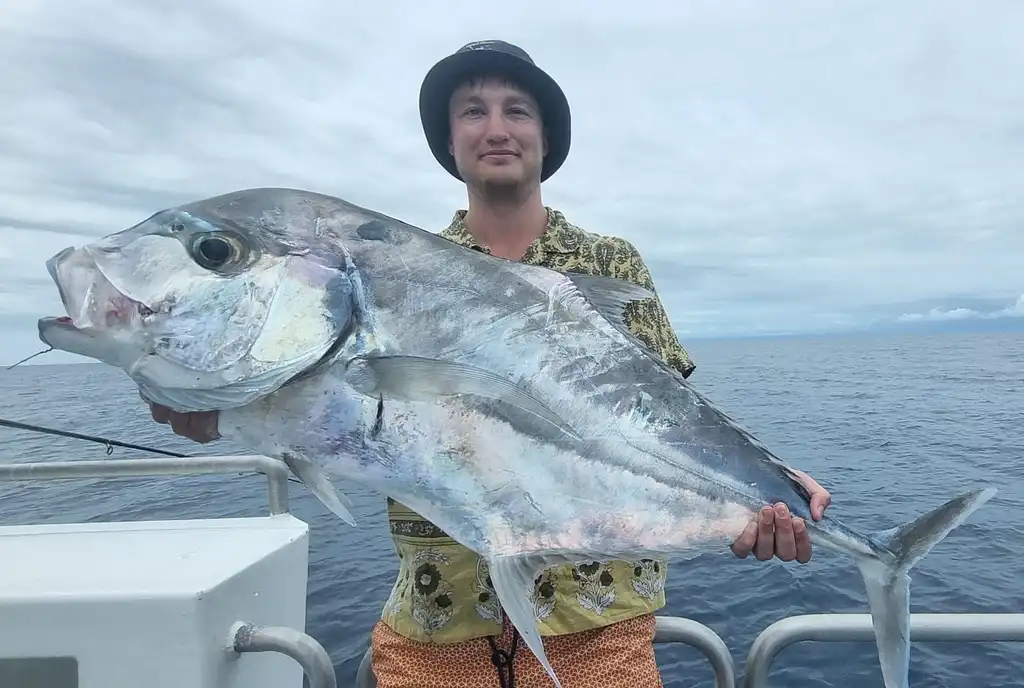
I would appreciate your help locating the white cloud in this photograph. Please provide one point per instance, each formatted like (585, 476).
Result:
(1016, 310)
(782, 166)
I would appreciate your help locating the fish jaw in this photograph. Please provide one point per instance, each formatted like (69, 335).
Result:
(60, 333)
(91, 301)
(101, 322)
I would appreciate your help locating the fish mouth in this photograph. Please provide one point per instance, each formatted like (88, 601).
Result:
(60, 333)
(54, 332)
(91, 301)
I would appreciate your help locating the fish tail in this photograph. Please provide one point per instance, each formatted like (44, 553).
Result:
(887, 579)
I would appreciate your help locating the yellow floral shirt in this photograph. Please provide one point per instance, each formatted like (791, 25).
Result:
(443, 593)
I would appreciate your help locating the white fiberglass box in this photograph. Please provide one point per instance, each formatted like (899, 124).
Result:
(150, 604)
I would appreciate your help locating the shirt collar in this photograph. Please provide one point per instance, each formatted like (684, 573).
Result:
(559, 236)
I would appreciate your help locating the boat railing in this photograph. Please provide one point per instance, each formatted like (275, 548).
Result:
(276, 471)
(1008, 627)
(794, 629)
(957, 628)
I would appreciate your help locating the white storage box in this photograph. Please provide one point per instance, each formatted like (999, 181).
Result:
(149, 604)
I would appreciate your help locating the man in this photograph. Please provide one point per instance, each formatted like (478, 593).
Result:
(501, 125)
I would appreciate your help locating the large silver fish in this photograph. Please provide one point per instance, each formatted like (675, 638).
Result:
(506, 403)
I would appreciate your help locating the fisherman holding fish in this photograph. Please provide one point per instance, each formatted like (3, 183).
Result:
(501, 125)
(512, 386)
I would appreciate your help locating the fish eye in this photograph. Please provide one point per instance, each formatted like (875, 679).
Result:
(214, 251)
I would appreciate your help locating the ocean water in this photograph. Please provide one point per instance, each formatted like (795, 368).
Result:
(892, 425)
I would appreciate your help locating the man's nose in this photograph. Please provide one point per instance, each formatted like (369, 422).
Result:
(497, 129)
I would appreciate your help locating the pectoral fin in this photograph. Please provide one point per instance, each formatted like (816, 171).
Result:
(314, 478)
(415, 377)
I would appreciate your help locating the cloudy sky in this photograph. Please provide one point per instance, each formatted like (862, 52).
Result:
(784, 167)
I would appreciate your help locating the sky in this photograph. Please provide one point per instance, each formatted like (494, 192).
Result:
(784, 167)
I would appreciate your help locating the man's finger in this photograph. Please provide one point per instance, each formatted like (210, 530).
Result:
(161, 414)
(180, 423)
(785, 544)
(820, 497)
(205, 426)
(803, 541)
(743, 545)
(819, 502)
(765, 547)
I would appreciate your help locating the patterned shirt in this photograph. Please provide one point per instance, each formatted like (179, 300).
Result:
(443, 593)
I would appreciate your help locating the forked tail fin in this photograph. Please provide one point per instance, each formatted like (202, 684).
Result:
(888, 581)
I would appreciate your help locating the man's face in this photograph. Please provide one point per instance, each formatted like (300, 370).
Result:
(497, 137)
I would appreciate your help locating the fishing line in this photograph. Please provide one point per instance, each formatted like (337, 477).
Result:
(29, 358)
(109, 443)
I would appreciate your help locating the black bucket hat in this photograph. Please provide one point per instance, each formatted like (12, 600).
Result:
(501, 59)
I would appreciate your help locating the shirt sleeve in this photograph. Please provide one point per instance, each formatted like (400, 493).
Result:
(647, 319)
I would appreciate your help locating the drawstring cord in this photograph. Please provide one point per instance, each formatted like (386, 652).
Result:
(504, 661)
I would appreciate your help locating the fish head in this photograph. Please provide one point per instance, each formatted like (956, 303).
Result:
(206, 306)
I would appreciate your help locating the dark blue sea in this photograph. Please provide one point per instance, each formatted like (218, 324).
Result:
(894, 425)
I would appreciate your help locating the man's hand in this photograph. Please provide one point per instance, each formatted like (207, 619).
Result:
(776, 532)
(200, 426)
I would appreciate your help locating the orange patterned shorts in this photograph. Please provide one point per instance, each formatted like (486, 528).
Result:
(620, 655)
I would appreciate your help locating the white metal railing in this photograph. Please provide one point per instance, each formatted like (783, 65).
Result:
(857, 627)
(794, 629)
(308, 653)
(276, 471)
(669, 629)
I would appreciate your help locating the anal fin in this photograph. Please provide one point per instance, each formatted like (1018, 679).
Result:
(314, 478)
(513, 579)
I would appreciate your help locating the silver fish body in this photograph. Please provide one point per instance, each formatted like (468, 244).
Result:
(506, 403)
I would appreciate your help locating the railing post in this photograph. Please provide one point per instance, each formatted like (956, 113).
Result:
(277, 487)
(310, 655)
(673, 629)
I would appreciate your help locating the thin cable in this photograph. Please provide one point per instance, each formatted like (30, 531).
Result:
(29, 358)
